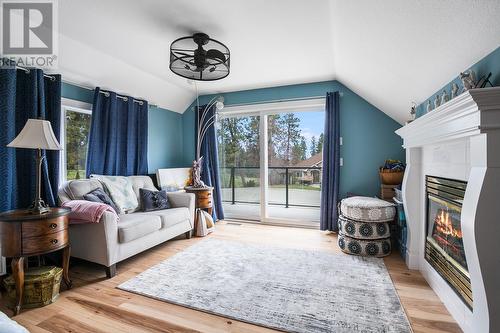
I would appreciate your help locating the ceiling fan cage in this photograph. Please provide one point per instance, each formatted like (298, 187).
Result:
(199, 57)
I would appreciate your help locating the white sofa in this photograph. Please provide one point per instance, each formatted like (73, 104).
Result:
(111, 241)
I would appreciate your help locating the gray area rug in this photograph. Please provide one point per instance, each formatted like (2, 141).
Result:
(285, 289)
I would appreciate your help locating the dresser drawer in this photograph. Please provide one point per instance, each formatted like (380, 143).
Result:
(204, 203)
(45, 243)
(44, 227)
(204, 195)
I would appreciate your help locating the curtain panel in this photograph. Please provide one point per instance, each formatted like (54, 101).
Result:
(331, 164)
(118, 138)
(27, 94)
(210, 168)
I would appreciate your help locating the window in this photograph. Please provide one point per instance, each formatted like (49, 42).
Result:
(270, 160)
(76, 127)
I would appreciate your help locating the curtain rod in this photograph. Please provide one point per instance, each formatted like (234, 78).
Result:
(107, 94)
(27, 71)
(104, 92)
(282, 100)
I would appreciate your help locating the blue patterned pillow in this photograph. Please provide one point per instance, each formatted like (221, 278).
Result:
(153, 200)
(98, 195)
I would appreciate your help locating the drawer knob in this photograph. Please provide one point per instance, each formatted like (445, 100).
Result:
(53, 226)
(53, 241)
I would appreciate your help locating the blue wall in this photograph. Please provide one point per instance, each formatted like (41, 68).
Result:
(164, 136)
(490, 63)
(368, 133)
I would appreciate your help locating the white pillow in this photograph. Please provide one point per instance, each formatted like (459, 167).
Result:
(9, 326)
(121, 192)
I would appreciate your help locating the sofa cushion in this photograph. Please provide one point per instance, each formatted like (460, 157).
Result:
(121, 192)
(172, 216)
(153, 200)
(76, 189)
(139, 182)
(137, 225)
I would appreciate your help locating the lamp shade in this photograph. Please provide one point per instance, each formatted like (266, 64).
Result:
(36, 134)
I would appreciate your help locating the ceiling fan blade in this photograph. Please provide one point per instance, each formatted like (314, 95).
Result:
(216, 54)
(183, 54)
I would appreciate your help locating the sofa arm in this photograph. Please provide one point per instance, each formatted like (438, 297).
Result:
(96, 242)
(181, 199)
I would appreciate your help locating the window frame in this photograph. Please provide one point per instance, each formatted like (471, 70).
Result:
(62, 156)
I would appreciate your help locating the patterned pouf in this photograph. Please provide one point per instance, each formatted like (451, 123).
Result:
(361, 247)
(364, 226)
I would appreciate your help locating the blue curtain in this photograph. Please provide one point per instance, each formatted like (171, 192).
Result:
(331, 164)
(210, 171)
(25, 95)
(118, 139)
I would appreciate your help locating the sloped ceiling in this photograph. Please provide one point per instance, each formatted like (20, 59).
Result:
(390, 52)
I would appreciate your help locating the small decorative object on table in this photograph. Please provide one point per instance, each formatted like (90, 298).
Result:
(428, 108)
(196, 173)
(483, 81)
(454, 90)
(444, 97)
(437, 101)
(204, 123)
(413, 112)
(468, 80)
(25, 234)
(364, 226)
(203, 201)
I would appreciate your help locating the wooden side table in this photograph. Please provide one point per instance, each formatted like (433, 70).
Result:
(203, 200)
(24, 234)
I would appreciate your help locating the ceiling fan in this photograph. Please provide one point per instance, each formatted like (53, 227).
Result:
(199, 57)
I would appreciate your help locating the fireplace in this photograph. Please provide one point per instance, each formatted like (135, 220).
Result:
(444, 247)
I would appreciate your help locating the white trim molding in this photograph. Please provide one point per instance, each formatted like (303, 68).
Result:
(460, 140)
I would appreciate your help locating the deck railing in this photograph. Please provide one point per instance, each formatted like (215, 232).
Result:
(287, 177)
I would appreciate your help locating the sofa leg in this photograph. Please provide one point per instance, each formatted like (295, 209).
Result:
(189, 234)
(111, 271)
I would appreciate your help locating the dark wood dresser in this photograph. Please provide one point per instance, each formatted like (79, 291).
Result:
(24, 234)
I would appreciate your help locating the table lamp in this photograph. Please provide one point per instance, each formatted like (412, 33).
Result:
(37, 134)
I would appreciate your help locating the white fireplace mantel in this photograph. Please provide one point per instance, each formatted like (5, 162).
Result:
(460, 140)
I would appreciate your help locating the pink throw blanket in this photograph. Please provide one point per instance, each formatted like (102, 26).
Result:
(83, 211)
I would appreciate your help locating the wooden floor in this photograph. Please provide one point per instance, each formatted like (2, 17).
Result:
(95, 305)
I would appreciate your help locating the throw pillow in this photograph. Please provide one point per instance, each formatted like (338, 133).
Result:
(121, 192)
(98, 195)
(153, 200)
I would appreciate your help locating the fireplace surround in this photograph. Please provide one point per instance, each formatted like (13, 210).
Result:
(460, 140)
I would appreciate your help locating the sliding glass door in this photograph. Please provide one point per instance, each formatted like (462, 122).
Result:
(239, 162)
(270, 160)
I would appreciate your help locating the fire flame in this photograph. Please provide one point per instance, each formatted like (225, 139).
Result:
(444, 225)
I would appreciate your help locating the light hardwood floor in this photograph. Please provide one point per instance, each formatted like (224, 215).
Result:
(94, 305)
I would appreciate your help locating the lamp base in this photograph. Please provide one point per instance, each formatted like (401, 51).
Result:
(38, 207)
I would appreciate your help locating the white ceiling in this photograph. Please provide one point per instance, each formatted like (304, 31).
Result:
(390, 52)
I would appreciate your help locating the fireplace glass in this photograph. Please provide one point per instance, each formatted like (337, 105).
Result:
(444, 228)
(444, 247)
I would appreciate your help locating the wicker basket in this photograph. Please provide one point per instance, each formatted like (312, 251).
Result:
(41, 287)
(391, 178)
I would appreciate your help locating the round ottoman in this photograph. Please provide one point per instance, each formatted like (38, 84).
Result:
(362, 247)
(364, 226)
(367, 209)
(364, 230)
